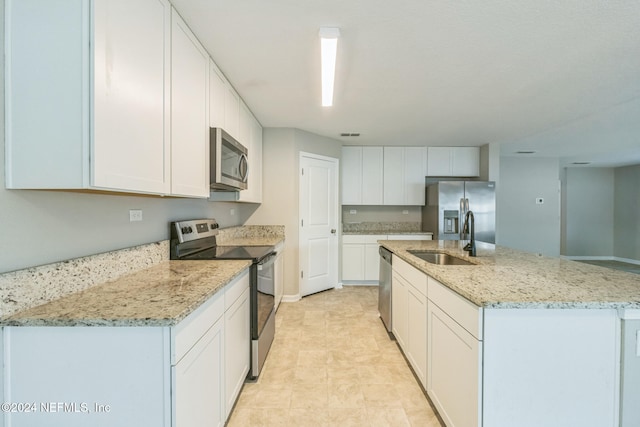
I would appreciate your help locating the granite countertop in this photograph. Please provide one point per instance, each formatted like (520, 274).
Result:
(508, 278)
(161, 295)
(369, 227)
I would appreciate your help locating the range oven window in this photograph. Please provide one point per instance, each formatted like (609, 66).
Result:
(266, 290)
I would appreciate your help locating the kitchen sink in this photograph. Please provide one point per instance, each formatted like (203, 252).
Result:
(439, 258)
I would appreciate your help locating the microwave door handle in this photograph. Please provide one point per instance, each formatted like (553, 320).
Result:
(244, 167)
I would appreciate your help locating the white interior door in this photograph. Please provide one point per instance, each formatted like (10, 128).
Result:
(318, 223)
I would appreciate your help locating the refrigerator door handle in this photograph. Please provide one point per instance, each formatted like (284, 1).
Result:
(461, 219)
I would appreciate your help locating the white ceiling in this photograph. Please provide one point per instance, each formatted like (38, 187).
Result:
(558, 77)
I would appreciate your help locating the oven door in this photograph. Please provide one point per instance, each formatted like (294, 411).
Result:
(229, 167)
(264, 293)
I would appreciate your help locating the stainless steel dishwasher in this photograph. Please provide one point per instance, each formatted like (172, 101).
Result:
(384, 288)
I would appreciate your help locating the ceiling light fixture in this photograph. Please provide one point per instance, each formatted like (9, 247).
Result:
(328, 49)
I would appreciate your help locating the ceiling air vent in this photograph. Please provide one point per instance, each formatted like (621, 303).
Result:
(350, 134)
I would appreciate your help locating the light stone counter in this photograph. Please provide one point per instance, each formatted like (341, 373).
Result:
(251, 235)
(369, 227)
(161, 295)
(508, 278)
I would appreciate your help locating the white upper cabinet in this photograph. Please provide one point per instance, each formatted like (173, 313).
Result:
(225, 109)
(189, 113)
(453, 161)
(97, 118)
(251, 137)
(404, 176)
(217, 92)
(362, 175)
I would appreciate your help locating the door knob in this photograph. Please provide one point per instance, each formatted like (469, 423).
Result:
(333, 231)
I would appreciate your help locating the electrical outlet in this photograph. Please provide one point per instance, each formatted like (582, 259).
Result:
(135, 215)
(405, 212)
(353, 211)
(232, 212)
(539, 201)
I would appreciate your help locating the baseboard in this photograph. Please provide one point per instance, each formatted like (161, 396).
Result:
(360, 283)
(339, 285)
(627, 260)
(291, 298)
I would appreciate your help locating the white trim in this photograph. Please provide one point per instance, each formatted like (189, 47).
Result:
(629, 313)
(291, 298)
(339, 285)
(361, 283)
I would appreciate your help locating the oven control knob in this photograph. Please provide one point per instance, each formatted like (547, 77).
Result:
(186, 230)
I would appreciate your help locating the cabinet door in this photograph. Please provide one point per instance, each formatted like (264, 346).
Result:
(353, 261)
(372, 176)
(237, 348)
(199, 382)
(465, 161)
(189, 113)
(371, 262)
(439, 161)
(231, 111)
(414, 176)
(130, 148)
(394, 176)
(351, 175)
(399, 310)
(417, 333)
(217, 91)
(251, 137)
(454, 360)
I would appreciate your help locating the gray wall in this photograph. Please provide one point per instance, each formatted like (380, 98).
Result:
(627, 213)
(522, 224)
(41, 227)
(588, 199)
(282, 147)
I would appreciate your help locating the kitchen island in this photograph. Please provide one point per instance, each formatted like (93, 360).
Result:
(514, 338)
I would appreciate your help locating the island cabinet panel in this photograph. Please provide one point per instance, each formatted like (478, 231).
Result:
(454, 356)
(409, 314)
(454, 370)
(558, 366)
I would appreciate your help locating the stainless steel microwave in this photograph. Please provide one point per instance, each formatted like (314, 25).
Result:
(229, 167)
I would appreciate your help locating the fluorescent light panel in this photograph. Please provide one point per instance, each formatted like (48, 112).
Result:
(328, 49)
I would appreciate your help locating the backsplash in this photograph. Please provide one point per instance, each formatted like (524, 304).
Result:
(249, 231)
(382, 227)
(38, 285)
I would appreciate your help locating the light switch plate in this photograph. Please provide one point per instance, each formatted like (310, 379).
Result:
(353, 211)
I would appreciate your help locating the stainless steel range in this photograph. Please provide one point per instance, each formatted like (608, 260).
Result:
(196, 240)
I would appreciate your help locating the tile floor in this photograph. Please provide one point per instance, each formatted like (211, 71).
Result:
(332, 364)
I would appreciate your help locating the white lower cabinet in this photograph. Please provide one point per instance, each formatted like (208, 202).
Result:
(199, 393)
(453, 370)
(409, 314)
(360, 257)
(454, 356)
(237, 348)
(187, 375)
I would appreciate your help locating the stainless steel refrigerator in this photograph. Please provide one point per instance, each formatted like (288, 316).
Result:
(447, 203)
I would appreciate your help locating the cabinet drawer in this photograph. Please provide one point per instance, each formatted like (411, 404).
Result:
(235, 289)
(463, 311)
(363, 238)
(412, 275)
(187, 333)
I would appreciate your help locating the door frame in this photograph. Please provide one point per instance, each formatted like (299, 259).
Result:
(336, 191)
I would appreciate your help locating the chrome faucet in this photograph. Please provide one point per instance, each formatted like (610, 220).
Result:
(471, 246)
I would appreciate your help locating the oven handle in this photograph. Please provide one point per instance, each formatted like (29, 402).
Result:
(267, 261)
